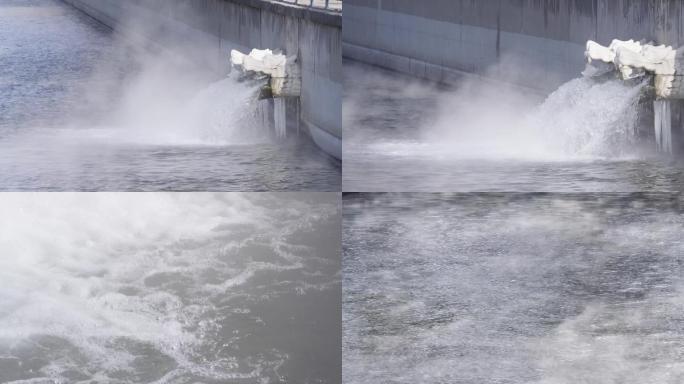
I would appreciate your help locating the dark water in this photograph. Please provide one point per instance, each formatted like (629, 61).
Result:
(170, 288)
(513, 288)
(66, 84)
(402, 134)
(373, 172)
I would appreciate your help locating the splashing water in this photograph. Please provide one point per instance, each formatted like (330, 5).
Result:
(582, 119)
(223, 113)
(164, 288)
(227, 112)
(83, 109)
(408, 135)
(513, 288)
(587, 118)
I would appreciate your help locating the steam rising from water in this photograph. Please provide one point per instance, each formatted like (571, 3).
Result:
(127, 90)
(166, 288)
(165, 100)
(169, 93)
(513, 288)
(120, 87)
(582, 119)
(408, 135)
(223, 113)
(84, 108)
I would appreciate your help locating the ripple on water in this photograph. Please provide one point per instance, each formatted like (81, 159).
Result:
(513, 288)
(168, 288)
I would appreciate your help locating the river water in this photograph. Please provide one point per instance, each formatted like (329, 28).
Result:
(513, 288)
(402, 134)
(81, 109)
(170, 288)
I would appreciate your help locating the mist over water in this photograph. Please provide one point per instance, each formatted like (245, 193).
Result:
(513, 288)
(224, 113)
(587, 118)
(84, 108)
(169, 288)
(581, 120)
(404, 134)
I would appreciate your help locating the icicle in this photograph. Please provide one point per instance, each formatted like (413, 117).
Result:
(663, 125)
(280, 117)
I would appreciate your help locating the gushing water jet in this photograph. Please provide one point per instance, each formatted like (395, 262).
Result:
(284, 82)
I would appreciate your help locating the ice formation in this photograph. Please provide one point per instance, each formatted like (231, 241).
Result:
(633, 59)
(283, 72)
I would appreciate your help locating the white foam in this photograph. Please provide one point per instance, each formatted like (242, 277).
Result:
(530, 290)
(94, 269)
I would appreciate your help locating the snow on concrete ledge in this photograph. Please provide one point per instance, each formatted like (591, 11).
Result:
(283, 72)
(634, 59)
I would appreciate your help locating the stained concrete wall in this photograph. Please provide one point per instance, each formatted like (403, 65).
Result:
(213, 27)
(533, 43)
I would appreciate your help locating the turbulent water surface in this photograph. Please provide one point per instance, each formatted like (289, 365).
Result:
(405, 135)
(170, 288)
(82, 109)
(528, 288)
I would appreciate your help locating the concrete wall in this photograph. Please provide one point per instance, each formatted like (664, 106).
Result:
(534, 43)
(214, 27)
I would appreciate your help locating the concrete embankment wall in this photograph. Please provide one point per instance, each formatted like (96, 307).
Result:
(538, 44)
(215, 27)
